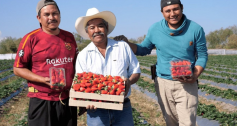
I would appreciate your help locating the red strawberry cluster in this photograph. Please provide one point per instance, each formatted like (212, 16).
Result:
(57, 78)
(95, 83)
(180, 68)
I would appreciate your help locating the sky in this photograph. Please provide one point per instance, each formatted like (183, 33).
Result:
(134, 17)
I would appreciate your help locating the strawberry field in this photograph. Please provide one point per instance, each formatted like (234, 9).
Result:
(217, 94)
(217, 88)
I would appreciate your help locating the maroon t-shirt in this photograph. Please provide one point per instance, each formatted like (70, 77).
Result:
(39, 51)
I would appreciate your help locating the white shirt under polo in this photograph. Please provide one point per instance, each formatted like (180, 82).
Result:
(119, 60)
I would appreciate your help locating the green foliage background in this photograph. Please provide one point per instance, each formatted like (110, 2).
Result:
(223, 38)
(218, 39)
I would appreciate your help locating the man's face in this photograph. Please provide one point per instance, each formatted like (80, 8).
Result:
(97, 30)
(173, 15)
(49, 18)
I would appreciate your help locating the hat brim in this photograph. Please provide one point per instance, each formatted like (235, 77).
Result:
(82, 21)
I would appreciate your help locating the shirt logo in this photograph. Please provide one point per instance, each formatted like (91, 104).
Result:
(21, 53)
(68, 46)
(59, 61)
(190, 43)
(169, 2)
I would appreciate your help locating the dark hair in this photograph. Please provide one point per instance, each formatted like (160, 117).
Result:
(104, 22)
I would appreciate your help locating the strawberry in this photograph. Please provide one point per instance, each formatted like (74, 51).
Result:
(90, 73)
(53, 79)
(88, 84)
(76, 87)
(79, 75)
(121, 87)
(102, 79)
(88, 90)
(100, 86)
(182, 69)
(94, 82)
(94, 88)
(52, 72)
(108, 88)
(82, 85)
(85, 75)
(82, 89)
(117, 77)
(188, 73)
(118, 92)
(89, 77)
(104, 92)
(95, 76)
(61, 74)
(111, 84)
(106, 82)
(112, 92)
(175, 75)
(84, 81)
(115, 87)
(110, 78)
(57, 79)
(62, 82)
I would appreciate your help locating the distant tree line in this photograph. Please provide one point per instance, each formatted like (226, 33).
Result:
(218, 39)
(10, 45)
(223, 38)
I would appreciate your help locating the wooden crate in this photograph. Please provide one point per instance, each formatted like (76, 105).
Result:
(114, 98)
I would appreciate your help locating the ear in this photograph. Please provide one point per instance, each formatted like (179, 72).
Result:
(38, 18)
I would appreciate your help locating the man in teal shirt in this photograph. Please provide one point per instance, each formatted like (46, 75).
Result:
(175, 37)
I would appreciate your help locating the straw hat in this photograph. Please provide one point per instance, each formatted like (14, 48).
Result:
(91, 14)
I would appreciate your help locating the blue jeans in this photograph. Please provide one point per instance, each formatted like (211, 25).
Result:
(106, 117)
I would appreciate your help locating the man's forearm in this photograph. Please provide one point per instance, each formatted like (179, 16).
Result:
(134, 78)
(28, 75)
(133, 47)
(197, 71)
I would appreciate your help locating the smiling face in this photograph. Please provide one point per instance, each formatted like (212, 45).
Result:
(97, 30)
(49, 18)
(173, 15)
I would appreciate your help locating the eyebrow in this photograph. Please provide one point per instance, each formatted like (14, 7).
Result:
(172, 8)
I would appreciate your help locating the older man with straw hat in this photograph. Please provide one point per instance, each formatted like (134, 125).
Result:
(107, 57)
